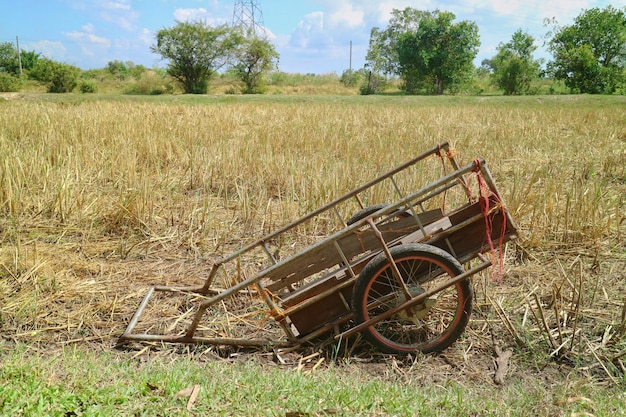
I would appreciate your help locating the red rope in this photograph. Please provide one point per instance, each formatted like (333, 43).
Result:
(484, 199)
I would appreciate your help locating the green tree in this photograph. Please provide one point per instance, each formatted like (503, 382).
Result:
(513, 67)
(117, 69)
(382, 54)
(124, 70)
(438, 54)
(195, 52)
(58, 77)
(29, 59)
(8, 59)
(590, 55)
(254, 58)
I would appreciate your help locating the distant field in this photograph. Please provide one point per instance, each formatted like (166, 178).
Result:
(104, 195)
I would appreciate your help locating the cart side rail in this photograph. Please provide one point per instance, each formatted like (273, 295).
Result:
(288, 266)
(352, 241)
(328, 254)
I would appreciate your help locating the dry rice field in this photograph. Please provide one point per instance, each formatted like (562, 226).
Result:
(102, 197)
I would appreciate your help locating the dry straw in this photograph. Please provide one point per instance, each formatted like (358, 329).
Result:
(100, 199)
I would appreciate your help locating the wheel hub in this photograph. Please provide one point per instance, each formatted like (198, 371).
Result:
(416, 313)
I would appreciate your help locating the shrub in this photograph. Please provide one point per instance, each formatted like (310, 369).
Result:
(151, 84)
(9, 83)
(136, 71)
(350, 78)
(373, 83)
(88, 87)
(117, 69)
(94, 74)
(277, 78)
(58, 77)
(124, 70)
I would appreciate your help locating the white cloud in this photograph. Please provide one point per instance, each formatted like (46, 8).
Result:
(185, 15)
(309, 28)
(126, 23)
(281, 40)
(563, 10)
(346, 16)
(54, 50)
(90, 44)
(321, 30)
(126, 20)
(383, 9)
(200, 14)
(88, 38)
(509, 7)
(89, 28)
(355, 13)
(120, 13)
(112, 5)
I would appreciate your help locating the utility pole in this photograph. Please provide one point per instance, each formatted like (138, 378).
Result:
(19, 54)
(350, 56)
(248, 15)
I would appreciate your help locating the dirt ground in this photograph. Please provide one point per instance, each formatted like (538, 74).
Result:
(84, 293)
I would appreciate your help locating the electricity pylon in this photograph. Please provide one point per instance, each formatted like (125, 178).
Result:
(248, 15)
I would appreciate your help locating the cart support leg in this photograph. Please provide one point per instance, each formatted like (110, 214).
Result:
(394, 267)
(138, 313)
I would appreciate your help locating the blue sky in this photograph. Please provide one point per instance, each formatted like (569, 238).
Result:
(311, 36)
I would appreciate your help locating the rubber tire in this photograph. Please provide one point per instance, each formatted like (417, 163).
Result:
(378, 270)
(364, 212)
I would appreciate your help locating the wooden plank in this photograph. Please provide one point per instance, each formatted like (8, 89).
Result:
(340, 275)
(330, 307)
(326, 256)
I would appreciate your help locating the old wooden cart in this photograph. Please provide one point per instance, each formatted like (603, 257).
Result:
(395, 267)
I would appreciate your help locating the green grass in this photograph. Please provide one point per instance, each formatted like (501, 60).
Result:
(82, 382)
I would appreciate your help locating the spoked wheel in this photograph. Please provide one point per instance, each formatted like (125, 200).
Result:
(430, 326)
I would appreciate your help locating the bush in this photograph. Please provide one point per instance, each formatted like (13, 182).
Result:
(88, 87)
(373, 83)
(151, 84)
(277, 78)
(350, 78)
(9, 83)
(124, 70)
(94, 74)
(58, 77)
(117, 69)
(621, 86)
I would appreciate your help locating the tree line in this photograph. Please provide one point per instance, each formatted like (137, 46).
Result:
(195, 53)
(429, 52)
